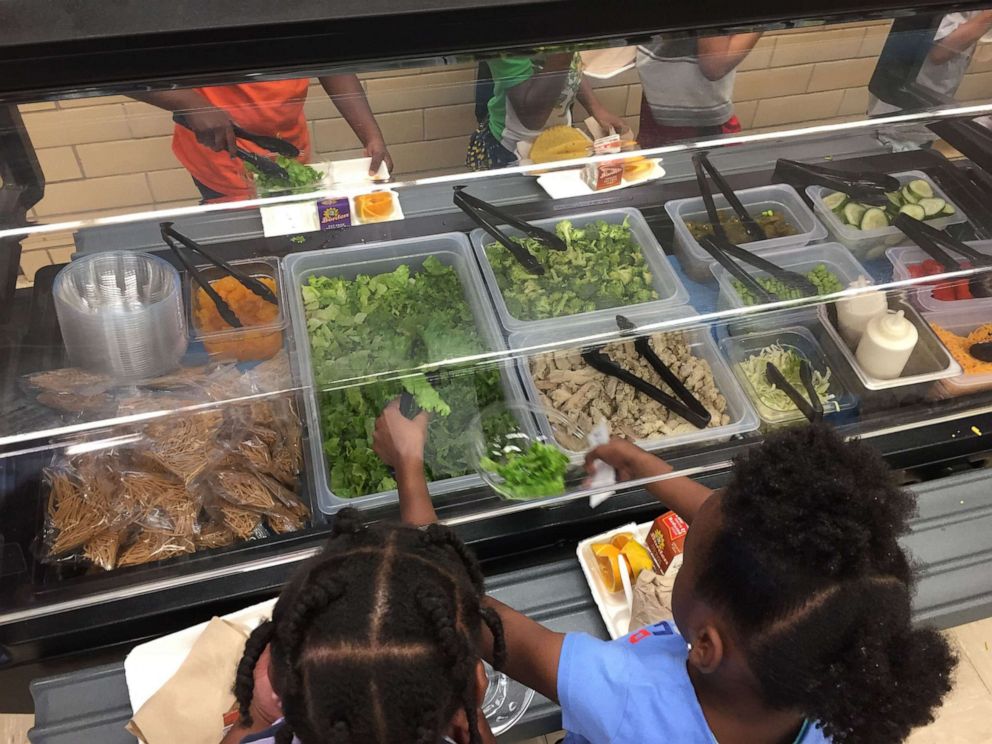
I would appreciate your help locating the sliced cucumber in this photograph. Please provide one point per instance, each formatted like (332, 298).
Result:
(874, 219)
(853, 212)
(948, 210)
(835, 201)
(894, 199)
(921, 189)
(932, 207)
(915, 211)
(908, 196)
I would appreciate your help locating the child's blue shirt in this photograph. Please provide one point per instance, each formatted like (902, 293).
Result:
(634, 690)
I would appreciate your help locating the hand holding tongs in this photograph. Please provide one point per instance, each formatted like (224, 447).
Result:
(480, 213)
(723, 251)
(174, 239)
(685, 404)
(865, 186)
(702, 165)
(273, 144)
(813, 409)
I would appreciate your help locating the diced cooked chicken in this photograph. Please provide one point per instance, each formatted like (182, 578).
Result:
(566, 383)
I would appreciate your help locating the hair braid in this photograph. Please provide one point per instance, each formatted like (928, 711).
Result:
(445, 537)
(333, 667)
(244, 680)
(492, 620)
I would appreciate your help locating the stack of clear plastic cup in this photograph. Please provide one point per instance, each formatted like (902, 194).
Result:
(121, 314)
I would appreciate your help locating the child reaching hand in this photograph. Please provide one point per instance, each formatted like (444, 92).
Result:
(378, 638)
(792, 606)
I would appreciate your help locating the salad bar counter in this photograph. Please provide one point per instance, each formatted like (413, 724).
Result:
(231, 467)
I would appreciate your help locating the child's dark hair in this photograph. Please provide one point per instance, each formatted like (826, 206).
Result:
(808, 568)
(377, 638)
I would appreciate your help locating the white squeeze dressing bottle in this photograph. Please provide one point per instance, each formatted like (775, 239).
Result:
(887, 344)
(853, 313)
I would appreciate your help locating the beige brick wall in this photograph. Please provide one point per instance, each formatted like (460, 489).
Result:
(112, 155)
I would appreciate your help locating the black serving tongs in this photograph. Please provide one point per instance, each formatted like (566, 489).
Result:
(702, 165)
(725, 252)
(263, 164)
(933, 242)
(865, 186)
(685, 404)
(811, 409)
(177, 241)
(480, 212)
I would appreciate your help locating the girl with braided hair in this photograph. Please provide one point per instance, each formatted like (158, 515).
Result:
(377, 638)
(792, 607)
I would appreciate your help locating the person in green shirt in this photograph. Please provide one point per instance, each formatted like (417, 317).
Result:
(526, 92)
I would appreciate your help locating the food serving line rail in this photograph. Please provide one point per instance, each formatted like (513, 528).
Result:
(956, 587)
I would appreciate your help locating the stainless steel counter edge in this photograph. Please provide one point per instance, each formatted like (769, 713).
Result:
(951, 538)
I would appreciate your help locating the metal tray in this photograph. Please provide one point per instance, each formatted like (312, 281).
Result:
(929, 363)
(671, 292)
(451, 249)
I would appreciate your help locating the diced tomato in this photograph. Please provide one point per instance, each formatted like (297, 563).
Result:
(915, 271)
(962, 290)
(931, 267)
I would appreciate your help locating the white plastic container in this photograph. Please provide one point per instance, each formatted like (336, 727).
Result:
(781, 198)
(743, 418)
(904, 256)
(961, 321)
(799, 258)
(854, 313)
(671, 292)
(614, 607)
(886, 345)
(871, 244)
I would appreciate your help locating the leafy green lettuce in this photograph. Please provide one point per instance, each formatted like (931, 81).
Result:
(373, 324)
(535, 473)
(603, 267)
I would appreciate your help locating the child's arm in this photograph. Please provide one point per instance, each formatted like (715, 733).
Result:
(682, 495)
(719, 55)
(961, 39)
(533, 651)
(399, 442)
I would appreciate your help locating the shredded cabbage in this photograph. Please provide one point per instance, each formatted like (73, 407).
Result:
(787, 361)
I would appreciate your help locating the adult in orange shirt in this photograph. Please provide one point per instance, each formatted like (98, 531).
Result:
(275, 108)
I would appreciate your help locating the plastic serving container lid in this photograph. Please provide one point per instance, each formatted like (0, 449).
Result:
(961, 321)
(801, 259)
(671, 292)
(779, 197)
(739, 349)
(929, 362)
(742, 417)
(903, 256)
(259, 268)
(816, 193)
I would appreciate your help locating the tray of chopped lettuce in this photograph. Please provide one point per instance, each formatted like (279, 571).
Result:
(365, 317)
(612, 260)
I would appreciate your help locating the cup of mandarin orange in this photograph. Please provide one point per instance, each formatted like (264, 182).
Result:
(263, 322)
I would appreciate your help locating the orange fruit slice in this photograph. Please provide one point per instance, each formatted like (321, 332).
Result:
(607, 561)
(637, 169)
(375, 206)
(621, 539)
(637, 557)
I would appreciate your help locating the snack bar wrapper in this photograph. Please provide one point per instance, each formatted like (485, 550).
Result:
(665, 540)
